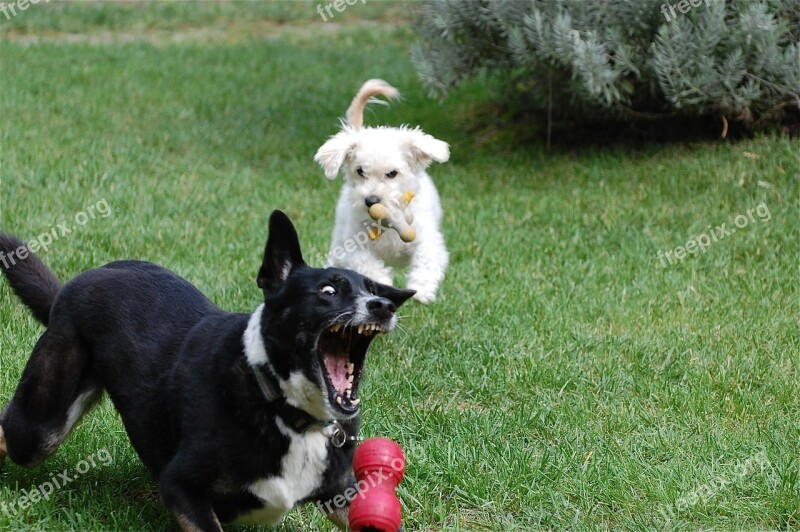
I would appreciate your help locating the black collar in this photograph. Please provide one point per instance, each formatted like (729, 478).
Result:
(296, 419)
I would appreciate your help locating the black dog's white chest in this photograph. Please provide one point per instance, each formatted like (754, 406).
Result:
(302, 470)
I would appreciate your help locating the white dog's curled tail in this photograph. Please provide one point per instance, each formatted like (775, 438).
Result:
(366, 95)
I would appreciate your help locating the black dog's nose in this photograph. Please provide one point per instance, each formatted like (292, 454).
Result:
(380, 307)
(371, 200)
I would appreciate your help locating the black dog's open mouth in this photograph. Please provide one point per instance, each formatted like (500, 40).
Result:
(343, 350)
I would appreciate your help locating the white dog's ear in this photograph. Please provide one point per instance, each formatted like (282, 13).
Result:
(424, 148)
(332, 154)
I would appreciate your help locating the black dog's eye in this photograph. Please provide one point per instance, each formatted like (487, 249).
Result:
(392, 174)
(328, 290)
(360, 171)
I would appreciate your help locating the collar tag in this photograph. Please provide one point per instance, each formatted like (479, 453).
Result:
(339, 436)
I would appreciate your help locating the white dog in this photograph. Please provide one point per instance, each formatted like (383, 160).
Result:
(381, 164)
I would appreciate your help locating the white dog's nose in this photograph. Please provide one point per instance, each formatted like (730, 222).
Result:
(371, 200)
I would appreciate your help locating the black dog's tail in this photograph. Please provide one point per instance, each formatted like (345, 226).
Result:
(30, 279)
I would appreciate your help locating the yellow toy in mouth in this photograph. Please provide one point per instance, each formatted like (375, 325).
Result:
(397, 215)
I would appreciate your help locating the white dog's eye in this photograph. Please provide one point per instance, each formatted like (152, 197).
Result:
(328, 290)
(360, 171)
(392, 174)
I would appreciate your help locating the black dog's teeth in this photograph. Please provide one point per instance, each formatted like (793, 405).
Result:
(347, 397)
(366, 329)
(370, 328)
(349, 391)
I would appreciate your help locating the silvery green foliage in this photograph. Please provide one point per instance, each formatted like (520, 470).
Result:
(740, 58)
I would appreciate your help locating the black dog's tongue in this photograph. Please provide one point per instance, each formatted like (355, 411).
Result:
(337, 362)
(337, 371)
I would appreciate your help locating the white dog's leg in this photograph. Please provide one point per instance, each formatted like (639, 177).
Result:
(363, 262)
(427, 267)
(371, 266)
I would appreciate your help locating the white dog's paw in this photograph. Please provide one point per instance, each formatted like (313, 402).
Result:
(424, 296)
(381, 278)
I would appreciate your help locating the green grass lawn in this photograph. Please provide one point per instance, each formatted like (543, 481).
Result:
(566, 378)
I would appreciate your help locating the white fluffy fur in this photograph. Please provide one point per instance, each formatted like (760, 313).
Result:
(379, 151)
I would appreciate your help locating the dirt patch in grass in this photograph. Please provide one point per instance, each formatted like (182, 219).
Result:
(258, 30)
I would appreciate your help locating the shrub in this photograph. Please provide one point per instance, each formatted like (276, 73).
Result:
(599, 59)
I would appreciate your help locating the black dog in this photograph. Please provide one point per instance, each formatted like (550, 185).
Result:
(240, 417)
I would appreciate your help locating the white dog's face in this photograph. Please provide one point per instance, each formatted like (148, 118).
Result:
(380, 163)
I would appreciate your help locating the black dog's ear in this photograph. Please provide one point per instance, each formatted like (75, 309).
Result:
(398, 296)
(282, 253)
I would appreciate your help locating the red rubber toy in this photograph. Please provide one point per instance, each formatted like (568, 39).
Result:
(379, 465)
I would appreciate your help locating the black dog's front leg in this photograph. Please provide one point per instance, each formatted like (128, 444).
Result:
(192, 511)
(334, 503)
(339, 517)
(3, 450)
